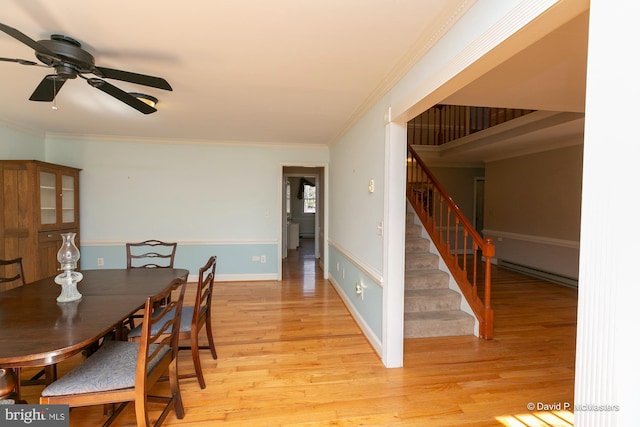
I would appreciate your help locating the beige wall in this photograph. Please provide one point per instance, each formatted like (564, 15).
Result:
(459, 184)
(538, 194)
(532, 209)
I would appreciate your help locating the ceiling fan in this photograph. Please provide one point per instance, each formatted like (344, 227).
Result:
(66, 56)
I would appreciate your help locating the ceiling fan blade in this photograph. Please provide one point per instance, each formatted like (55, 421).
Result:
(28, 41)
(126, 76)
(19, 61)
(47, 89)
(121, 95)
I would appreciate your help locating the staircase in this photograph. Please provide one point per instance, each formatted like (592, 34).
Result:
(431, 309)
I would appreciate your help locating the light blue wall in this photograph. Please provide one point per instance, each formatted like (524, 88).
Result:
(345, 273)
(231, 263)
(20, 144)
(212, 198)
(360, 156)
(354, 214)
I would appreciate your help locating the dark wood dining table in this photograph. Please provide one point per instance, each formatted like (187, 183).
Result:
(36, 330)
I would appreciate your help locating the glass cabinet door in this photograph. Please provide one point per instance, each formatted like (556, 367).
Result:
(68, 199)
(48, 198)
(57, 198)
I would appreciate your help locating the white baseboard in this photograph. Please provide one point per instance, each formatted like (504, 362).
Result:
(368, 333)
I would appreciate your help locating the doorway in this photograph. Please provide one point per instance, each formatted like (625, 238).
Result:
(478, 204)
(303, 213)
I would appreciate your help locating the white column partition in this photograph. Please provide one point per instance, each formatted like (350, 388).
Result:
(607, 388)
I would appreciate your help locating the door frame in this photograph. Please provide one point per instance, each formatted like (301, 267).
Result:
(321, 228)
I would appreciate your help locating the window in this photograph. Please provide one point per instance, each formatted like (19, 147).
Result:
(309, 203)
(288, 200)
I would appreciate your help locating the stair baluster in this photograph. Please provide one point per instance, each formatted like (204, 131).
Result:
(455, 238)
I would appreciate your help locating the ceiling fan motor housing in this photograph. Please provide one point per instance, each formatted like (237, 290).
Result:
(74, 59)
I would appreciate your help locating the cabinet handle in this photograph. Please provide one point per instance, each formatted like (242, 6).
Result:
(49, 235)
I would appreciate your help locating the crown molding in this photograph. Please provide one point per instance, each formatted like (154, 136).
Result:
(423, 44)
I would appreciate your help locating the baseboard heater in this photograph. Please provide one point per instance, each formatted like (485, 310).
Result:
(540, 274)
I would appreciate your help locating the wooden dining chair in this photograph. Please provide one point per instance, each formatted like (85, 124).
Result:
(8, 385)
(151, 254)
(12, 276)
(124, 372)
(11, 273)
(194, 318)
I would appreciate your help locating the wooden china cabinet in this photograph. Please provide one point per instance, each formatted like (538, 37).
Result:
(39, 202)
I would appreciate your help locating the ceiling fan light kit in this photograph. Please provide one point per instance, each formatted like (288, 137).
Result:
(147, 99)
(66, 56)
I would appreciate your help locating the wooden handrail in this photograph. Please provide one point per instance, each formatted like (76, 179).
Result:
(460, 245)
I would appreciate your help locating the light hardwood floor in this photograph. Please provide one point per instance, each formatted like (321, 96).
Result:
(289, 354)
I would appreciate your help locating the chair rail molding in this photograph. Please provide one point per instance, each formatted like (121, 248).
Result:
(533, 239)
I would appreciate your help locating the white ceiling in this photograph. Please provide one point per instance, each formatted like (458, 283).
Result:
(275, 71)
(282, 71)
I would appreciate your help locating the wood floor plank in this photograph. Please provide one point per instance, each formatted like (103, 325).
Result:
(290, 354)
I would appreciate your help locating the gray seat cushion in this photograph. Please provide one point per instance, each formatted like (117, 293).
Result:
(185, 323)
(112, 367)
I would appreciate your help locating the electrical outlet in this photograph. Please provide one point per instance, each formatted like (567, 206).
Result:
(100, 261)
(263, 259)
